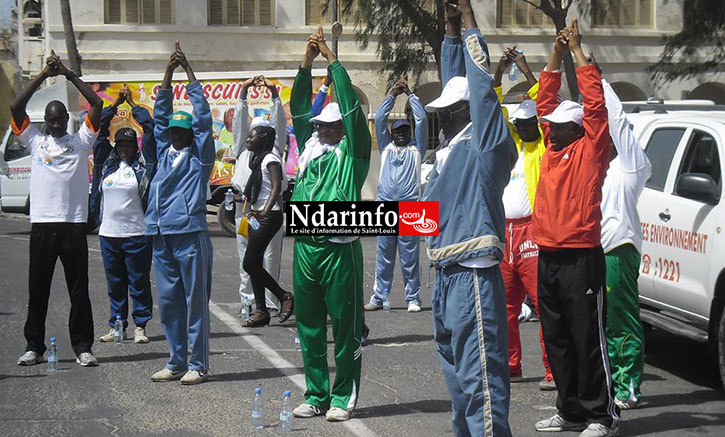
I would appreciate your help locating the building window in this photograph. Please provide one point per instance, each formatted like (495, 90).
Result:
(314, 15)
(240, 12)
(518, 13)
(622, 13)
(139, 11)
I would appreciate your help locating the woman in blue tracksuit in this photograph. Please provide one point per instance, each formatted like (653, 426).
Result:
(400, 158)
(176, 218)
(118, 202)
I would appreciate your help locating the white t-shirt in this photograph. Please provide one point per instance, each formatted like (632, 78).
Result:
(59, 179)
(482, 262)
(625, 180)
(265, 191)
(122, 213)
(516, 201)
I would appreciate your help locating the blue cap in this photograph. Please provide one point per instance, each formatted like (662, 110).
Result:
(286, 393)
(258, 390)
(52, 339)
(399, 123)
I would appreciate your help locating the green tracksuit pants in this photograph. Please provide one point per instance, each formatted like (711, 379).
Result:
(625, 336)
(328, 280)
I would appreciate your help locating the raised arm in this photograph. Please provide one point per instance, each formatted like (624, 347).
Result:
(95, 102)
(102, 146)
(452, 63)
(319, 103)
(421, 124)
(353, 117)
(163, 108)
(632, 156)
(300, 106)
(19, 104)
(279, 121)
(201, 124)
(148, 142)
(240, 122)
(381, 120)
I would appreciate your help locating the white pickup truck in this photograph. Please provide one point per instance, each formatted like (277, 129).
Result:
(682, 276)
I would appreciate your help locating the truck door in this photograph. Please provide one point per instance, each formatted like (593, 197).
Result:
(15, 174)
(685, 230)
(662, 144)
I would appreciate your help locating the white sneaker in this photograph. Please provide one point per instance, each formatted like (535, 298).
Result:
(304, 411)
(165, 375)
(139, 335)
(413, 307)
(86, 359)
(626, 405)
(108, 338)
(29, 358)
(335, 414)
(599, 430)
(557, 423)
(373, 306)
(193, 377)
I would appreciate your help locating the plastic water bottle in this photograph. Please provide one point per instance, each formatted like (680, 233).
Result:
(253, 222)
(298, 345)
(245, 309)
(118, 330)
(229, 200)
(285, 415)
(258, 409)
(386, 305)
(514, 72)
(53, 356)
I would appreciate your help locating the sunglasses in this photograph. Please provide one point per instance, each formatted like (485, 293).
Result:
(447, 113)
(327, 126)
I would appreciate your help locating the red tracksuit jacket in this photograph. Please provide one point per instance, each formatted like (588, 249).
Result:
(567, 210)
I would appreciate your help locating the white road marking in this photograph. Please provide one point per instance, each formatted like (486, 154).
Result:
(285, 367)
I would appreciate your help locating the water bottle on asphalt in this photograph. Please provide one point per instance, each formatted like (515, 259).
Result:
(229, 200)
(298, 345)
(52, 356)
(258, 409)
(244, 314)
(285, 415)
(386, 305)
(118, 330)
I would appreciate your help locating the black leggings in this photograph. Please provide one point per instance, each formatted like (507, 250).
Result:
(254, 256)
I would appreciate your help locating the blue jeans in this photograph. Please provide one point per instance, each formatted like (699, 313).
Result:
(128, 266)
(409, 265)
(183, 264)
(469, 322)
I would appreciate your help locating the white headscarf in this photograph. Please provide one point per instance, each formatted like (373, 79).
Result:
(314, 149)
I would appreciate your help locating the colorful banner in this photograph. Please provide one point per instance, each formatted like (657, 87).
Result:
(222, 96)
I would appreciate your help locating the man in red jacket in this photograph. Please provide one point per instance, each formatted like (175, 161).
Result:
(566, 226)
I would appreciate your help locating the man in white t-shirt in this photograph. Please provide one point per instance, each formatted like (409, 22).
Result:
(58, 211)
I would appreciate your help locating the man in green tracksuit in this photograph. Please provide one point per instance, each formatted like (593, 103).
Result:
(327, 271)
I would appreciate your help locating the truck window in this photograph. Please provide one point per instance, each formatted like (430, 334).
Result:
(701, 156)
(15, 149)
(660, 150)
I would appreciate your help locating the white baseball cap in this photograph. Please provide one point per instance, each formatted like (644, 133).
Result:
(330, 114)
(566, 111)
(456, 90)
(526, 110)
(260, 121)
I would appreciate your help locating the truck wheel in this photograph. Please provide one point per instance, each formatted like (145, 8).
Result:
(721, 347)
(225, 219)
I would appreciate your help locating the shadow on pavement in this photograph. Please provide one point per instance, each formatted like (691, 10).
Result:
(146, 356)
(427, 406)
(669, 421)
(39, 375)
(256, 374)
(410, 338)
(693, 362)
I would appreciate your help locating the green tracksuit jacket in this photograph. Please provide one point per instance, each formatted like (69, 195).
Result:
(327, 276)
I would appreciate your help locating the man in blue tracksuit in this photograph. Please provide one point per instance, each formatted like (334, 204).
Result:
(468, 179)
(400, 161)
(176, 218)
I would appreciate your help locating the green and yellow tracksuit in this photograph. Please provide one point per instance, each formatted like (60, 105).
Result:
(327, 274)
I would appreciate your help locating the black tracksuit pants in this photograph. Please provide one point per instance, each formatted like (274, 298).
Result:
(48, 242)
(572, 295)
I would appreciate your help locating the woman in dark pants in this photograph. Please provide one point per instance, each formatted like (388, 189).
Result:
(263, 193)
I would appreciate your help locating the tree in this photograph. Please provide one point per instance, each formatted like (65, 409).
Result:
(70, 38)
(557, 11)
(698, 48)
(409, 32)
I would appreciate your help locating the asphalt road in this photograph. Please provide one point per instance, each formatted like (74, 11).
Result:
(402, 390)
